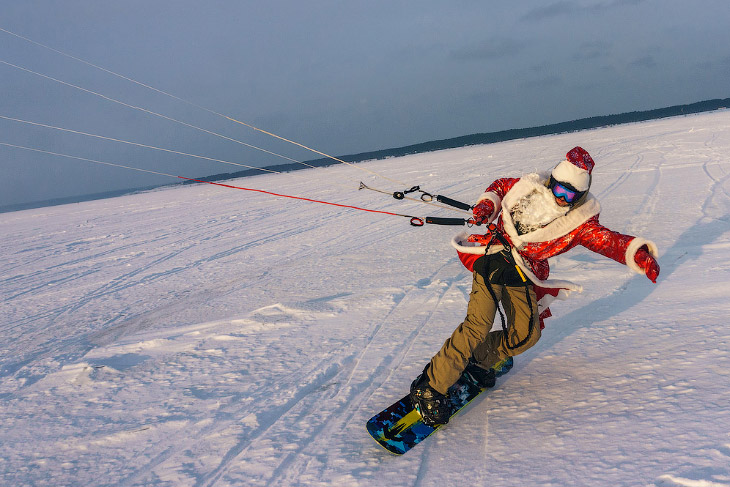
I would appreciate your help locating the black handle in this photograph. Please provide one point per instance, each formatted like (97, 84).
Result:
(454, 203)
(445, 221)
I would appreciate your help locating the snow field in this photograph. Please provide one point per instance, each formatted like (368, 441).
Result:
(206, 336)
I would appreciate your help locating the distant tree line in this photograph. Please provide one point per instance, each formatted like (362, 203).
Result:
(466, 140)
(493, 137)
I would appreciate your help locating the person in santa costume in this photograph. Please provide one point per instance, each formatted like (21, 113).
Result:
(537, 216)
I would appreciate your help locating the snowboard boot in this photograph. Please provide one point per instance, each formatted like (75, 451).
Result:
(433, 406)
(483, 378)
(504, 366)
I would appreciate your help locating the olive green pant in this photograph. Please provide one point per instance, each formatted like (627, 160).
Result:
(474, 338)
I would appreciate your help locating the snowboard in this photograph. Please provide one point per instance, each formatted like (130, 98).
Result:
(399, 427)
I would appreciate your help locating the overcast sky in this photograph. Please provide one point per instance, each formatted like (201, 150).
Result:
(340, 76)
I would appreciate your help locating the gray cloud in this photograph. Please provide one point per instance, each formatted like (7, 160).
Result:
(563, 8)
(552, 10)
(490, 50)
(593, 50)
(547, 81)
(647, 62)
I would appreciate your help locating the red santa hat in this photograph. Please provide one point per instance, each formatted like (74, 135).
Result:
(575, 169)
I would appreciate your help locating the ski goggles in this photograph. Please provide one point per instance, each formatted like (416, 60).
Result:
(560, 191)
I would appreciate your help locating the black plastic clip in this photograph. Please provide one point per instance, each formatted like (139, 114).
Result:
(399, 195)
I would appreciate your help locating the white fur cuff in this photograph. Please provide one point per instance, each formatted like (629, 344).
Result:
(634, 247)
(494, 198)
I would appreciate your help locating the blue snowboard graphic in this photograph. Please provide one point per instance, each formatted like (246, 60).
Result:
(398, 428)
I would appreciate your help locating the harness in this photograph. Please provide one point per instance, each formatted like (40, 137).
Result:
(506, 254)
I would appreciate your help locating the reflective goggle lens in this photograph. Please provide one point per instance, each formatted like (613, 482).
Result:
(561, 191)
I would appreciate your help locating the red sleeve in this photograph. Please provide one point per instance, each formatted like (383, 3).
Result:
(501, 186)
(601, 240)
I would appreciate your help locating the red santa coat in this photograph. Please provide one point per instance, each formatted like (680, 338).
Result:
(580, 226)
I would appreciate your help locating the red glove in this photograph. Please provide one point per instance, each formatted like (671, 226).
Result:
(483, 210)
(647, 263)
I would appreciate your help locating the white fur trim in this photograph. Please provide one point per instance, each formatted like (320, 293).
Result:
(545, 301)
(634, 247)
(460, 243)
(491, 196)
(566, 286)
(557, 228)
(568, 172)
(494, 198)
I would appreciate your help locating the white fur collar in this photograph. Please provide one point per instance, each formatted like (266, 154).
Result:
(558, 227)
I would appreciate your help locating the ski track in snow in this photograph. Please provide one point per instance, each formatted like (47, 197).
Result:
(208, 337)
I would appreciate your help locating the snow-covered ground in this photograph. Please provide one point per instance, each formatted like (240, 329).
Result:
(208, 336)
